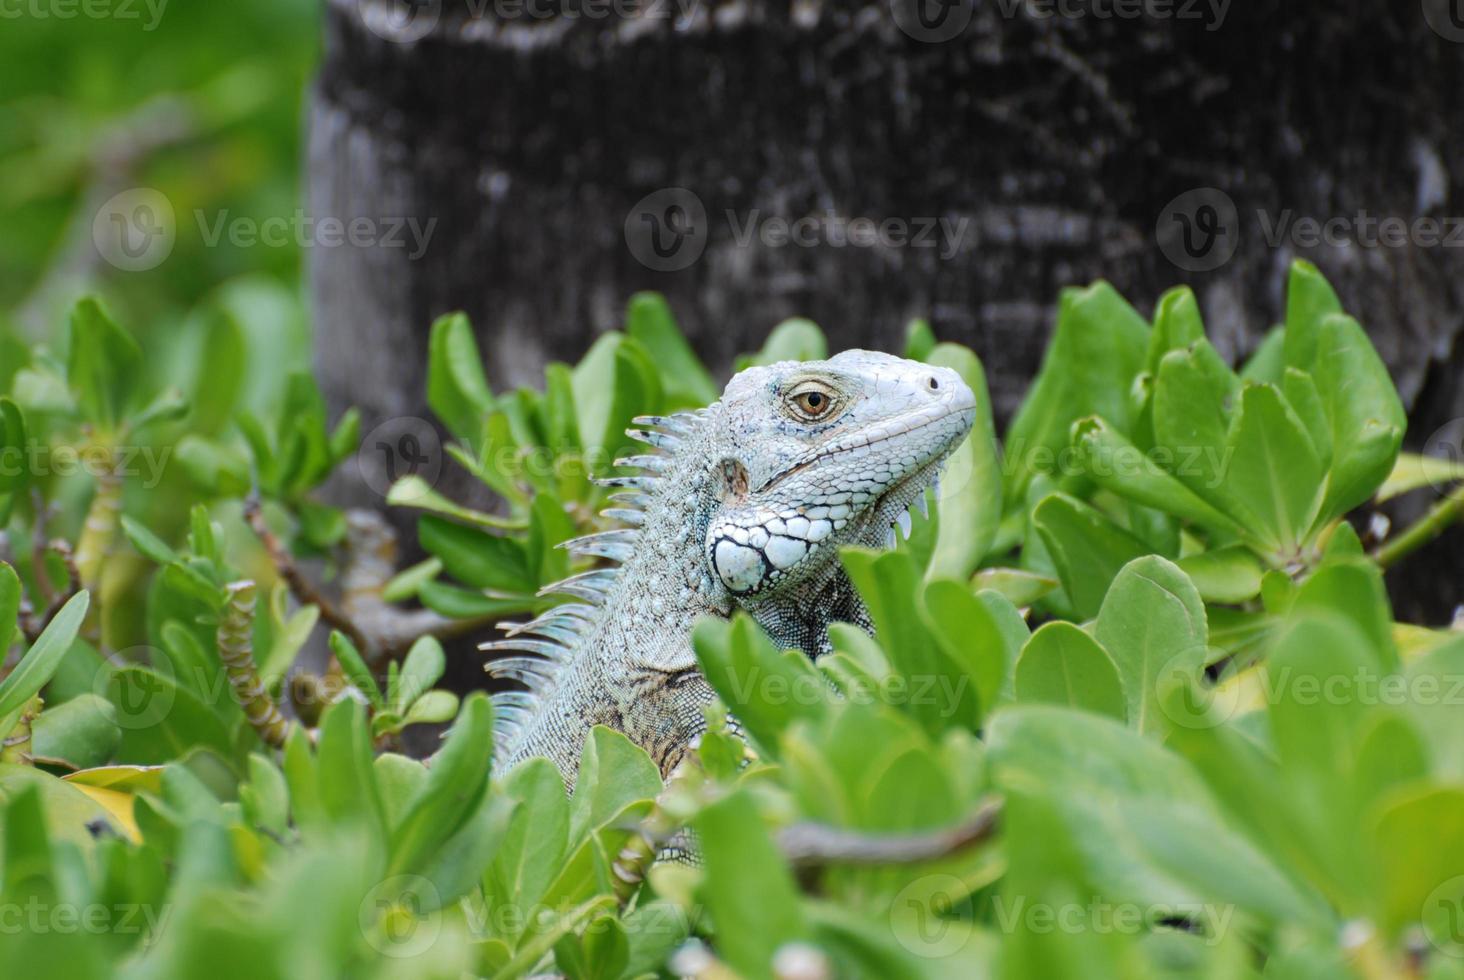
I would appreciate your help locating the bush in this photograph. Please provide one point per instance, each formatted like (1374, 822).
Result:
(1215, 755)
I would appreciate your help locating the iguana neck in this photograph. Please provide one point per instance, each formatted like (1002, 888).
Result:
(631, 666)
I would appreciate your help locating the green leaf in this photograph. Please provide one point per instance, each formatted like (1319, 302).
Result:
(1274, 470)
(10, 592)
(454, 785)
(265, 798)
(1230, 575)
(934, 676)
(14, 474)
(615, 382)
(1412, 471)
(104, 366)
(415, 493)
(476, 558)
(684, 378)
(765, 689)
(43, 658)
(1097, 349)
(795, 339)
(434, 707)
(970, 503)
(79, 733)
(456, 603)
(969, 633)
(1153, 625)
(456, 388)
(1061, 664)
(749, 890)
(1087, 548)
(1177, 324)
(533, 846)
(1195, 395)
(1309, 299)
(1419, 846)
(1133, 810)
(1116, 464)
(355, 669)
(348, 791)
(1019, 586)
(161, 721)
(614, 773)
(423, 667)
(151, 546)
(919, 340)
(1366, 414)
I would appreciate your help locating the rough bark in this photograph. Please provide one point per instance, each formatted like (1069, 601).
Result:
(1057, 143)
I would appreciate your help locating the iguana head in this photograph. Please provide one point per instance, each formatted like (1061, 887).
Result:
(815, 455)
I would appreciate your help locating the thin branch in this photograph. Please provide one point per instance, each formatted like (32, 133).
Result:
(31, 624)
(305, 593)
(812, 845)
(1423, 530)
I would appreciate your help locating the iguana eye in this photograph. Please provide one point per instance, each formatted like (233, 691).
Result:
(811, 400)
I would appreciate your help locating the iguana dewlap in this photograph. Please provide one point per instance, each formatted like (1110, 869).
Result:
(742, 504)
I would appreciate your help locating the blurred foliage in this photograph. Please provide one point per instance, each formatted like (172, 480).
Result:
(1141, 628)
(200, 101)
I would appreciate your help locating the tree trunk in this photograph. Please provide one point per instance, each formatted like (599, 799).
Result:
(563, 162)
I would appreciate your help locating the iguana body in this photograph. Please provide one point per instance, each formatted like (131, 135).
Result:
(744, 504)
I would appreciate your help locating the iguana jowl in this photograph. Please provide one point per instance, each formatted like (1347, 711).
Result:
(743, 504)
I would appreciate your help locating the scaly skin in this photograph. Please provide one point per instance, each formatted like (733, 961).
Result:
(744, 505)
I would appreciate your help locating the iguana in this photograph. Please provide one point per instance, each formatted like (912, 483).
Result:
(742, 504)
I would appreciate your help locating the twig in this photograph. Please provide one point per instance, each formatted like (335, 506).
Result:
(31, 624)
(236, 649)
(1423, 530)
(305, 593)
(812, 845)
(38, 545)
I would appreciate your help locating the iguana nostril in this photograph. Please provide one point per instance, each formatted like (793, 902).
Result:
(934, 384)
